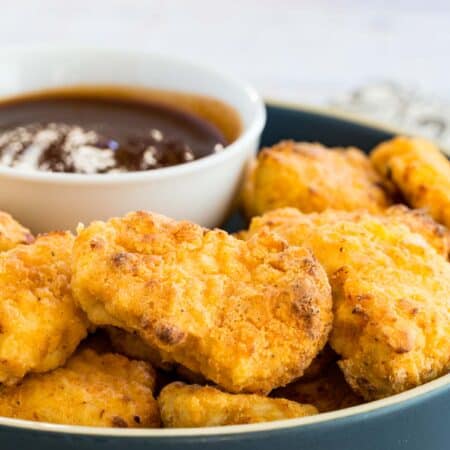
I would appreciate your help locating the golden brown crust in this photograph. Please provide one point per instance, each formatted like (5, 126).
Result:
(420, 171)
(249, 316)
(92, 390)
(190, 406)
(131, 345)
(312, 178)
(418, 221)
(391, 294)
(12, 233)
(327, 391)
(40, 324)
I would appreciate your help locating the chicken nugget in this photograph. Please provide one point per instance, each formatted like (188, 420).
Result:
(327, 391)
(420, 171)
(104, 390)
(131, 345)
(248, 315)
(188, 406)
(12, 233)
(391, 294)
(40, 324)
(312, 178)
(419, 221)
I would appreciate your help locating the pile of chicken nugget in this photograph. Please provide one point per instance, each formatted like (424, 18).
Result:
(338, 293)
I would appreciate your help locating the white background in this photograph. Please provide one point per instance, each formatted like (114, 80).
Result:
(308, 51)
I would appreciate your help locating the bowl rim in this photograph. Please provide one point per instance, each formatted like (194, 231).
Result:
(248, 134)
(364, 411)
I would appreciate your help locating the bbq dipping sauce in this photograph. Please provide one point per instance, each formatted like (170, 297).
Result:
(109, 129)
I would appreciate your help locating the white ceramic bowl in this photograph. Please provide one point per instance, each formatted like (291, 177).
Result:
(201, 191)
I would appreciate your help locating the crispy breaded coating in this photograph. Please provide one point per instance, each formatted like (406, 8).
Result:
(248, 315)
(327, 391)
(12, 233)
(131, 345)
(418, 221)
(188, 406)
(104, 390)
(312, 178)
(420, 171)
(40, 324)
(391, 293)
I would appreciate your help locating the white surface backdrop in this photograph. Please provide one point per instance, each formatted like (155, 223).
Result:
(304, 51)
(301, 50)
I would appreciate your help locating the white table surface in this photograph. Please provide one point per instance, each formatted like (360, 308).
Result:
(303, 51)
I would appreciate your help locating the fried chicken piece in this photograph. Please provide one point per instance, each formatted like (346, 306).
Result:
(12, 233)
(188, 406)
(131, 345)
(391, 293)
(418, 221)
(104, 390)
(312, 178)
(40, 324)
(241, 234)
(248, 315)
(327, 391)
(420, 171)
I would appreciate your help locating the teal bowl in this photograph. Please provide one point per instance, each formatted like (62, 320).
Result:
(418, 419)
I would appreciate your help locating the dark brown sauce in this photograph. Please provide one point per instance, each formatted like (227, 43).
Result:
(104, 130)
